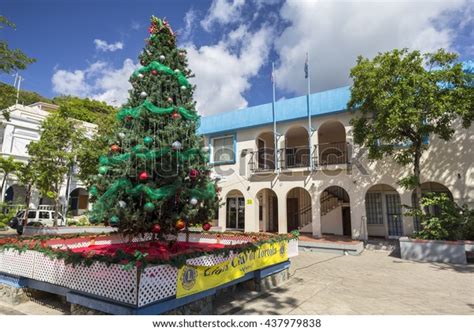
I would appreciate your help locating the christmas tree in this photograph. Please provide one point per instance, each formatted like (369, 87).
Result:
(155, 177)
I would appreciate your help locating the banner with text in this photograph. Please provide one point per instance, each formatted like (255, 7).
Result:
(194, 279)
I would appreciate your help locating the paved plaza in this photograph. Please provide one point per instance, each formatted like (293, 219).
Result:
(371, 283)
(321, 283)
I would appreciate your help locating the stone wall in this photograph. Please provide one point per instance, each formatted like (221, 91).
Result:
(12, 295)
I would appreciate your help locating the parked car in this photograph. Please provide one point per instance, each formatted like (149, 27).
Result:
(36, 217)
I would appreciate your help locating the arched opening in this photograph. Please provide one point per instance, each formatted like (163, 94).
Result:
(235, 210)
(332, 146)
(46, 203)
(426, 188)
(15, 195)
(383, 211)
(267, 210)
(264, 158)
(296, 153)
(298, 210)
(78, 201)
(335, 212)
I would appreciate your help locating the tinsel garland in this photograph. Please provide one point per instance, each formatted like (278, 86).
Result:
(107, 200)
(151, 155)
(139, 258)
(161, 68)
(148, 105)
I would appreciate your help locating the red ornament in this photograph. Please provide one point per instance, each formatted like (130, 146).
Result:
(115, 148)
(180, 224)
(128, 118)
(175, 116)
(154, 72)
(143, 175)
(206, 226)
(193, 173)
(151, 29)
(156, 228)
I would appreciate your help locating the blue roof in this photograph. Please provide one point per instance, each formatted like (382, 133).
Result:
(321, 103)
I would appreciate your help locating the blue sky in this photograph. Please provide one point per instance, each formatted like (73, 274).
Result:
(88, 48)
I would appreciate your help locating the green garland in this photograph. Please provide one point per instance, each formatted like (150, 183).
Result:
(138, 259)
(151, 155)
(161, 68)
(148, 105)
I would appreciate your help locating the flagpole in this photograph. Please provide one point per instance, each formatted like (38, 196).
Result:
(310, 129)
(275, 151)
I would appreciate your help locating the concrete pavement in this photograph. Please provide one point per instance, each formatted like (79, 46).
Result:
(372, 283)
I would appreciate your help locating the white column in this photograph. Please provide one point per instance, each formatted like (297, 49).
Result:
(358, 224)
(316, 214)
(282, 216)
(265, 210)
(251, 215)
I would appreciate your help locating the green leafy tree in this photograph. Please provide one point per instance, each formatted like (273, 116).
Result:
(87, 110)
(402, 98)
(11, 59)
(450, 222)
(53, 155)
(155, 176)
(8, 166)
(91, 148)
(8, 96)
(27, 176)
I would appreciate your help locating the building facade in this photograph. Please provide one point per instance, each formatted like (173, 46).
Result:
(16, 133)
(310, 176)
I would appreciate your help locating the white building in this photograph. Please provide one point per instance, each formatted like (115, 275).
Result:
(322, 183)
(15, 135)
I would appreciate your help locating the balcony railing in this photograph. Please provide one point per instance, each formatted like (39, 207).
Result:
(262, 161)
(332, 153)
(294, 157)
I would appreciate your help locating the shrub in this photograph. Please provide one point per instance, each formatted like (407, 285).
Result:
(443, 219)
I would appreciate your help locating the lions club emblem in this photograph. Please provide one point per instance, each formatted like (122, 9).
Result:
(282, 250)
(188, 277)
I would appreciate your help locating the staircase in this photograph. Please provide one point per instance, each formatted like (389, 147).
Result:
(302, 212)
(332, 198)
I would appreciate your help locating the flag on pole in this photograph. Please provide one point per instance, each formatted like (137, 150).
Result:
(306, 65)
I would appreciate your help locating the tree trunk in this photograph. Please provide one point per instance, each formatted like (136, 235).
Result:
(27, 203)
(56, 206)
(416, 173)
(56, 211)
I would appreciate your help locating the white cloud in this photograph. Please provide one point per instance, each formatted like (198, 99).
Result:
(223, 75)
(335, 33)
(135, 25)
(187, 32)
(70, 82)
(99, 81)
(223, 12)
(103, 46)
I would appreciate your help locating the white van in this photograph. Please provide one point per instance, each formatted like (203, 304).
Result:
(37, 217)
